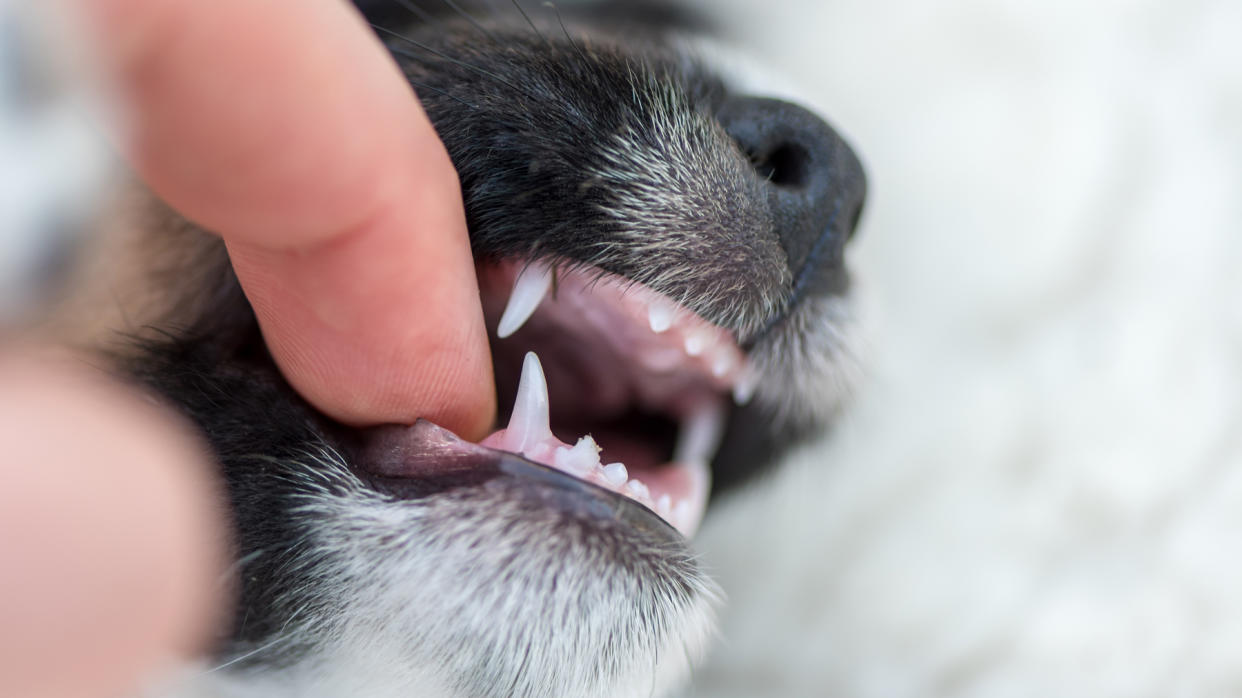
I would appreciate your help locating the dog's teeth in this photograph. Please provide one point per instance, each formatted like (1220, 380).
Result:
(721, 365)
(529, 288)
(684, 519)
(663, 505)
(699, 435)
(637, 490)
(695, 344)
(744, 388)
(582, 457)
(529, 426)
(616, 474)
(659, 316)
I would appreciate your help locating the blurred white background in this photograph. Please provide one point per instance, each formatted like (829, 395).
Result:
(1039, 490)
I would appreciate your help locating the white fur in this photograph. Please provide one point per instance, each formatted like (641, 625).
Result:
(1039, 492)
(461, 596)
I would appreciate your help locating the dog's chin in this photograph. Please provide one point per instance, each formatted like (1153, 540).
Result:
(493, 576)
(549, 583)
(550, 558)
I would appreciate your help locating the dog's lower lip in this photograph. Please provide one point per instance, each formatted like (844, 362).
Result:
(424, 459)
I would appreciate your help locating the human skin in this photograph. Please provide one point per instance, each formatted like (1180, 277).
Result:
(110, 534)
(284, 127)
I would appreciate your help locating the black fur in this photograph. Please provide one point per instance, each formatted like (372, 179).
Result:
(738, 207)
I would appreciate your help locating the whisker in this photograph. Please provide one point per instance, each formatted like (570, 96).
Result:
(450, 59)
(493, 6)
(246, 656)
(526, 17)
(442, 93)
(417, 11)
(280, 637)
(235, 569)
(474, 22)
(565, 30)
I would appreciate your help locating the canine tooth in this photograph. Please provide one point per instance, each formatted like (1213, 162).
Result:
(616, 474)
(637, 489)
(529, 424)
(660, 317)
(721, 365)
(744, 388)
(695, 344)
(699, 435)
(664, 503)
(529, 288)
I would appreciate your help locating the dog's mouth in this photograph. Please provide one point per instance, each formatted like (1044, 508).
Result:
(604, 380)
(637, 386)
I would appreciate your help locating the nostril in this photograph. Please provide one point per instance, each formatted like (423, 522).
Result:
(814, 183)
(788, 165)
(788, 146)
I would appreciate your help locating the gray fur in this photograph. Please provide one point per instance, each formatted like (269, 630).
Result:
(474, 593)
(601, 152)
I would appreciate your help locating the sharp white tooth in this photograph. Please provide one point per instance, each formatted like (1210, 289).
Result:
(616, 474)
(529, 288)
(659, 316)
(744, 388)
(663, 504)
(695, 344)
(529, 424)
(700, 434)
(721, 365)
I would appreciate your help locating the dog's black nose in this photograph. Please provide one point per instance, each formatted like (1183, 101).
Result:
(815, 185)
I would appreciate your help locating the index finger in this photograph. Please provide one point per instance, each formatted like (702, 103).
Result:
(284, 126)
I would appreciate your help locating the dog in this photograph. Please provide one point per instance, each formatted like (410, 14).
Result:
(660, 252)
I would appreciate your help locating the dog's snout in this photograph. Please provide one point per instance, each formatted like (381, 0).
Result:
(814, 181)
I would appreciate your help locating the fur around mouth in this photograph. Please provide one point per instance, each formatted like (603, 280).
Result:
(632, 392)
(600, 161)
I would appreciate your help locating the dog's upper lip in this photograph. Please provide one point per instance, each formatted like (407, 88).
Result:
(613, 320)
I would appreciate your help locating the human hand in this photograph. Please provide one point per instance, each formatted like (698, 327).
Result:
(284, 127)
(111, 541)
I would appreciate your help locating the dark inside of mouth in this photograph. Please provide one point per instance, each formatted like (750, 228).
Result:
(612, 371)
(642, 439)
